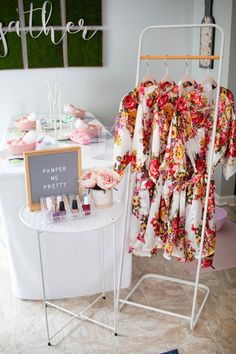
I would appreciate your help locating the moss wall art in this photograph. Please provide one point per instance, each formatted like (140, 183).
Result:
(40, 34)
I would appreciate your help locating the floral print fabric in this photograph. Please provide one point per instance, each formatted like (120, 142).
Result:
(165, 133)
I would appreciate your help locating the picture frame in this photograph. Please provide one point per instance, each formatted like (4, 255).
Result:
(207, 37)
(51, 172)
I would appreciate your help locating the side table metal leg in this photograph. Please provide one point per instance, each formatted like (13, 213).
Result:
(114, 279)
(43, 285)
(102, 263)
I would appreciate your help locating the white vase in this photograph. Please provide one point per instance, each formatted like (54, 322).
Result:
(102, 198)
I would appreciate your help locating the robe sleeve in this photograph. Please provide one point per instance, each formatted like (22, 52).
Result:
(229, 158)
(124, 131)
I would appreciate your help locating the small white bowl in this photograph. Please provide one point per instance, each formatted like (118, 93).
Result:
(220, 216)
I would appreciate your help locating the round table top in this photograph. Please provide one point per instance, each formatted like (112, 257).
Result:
(103, 217)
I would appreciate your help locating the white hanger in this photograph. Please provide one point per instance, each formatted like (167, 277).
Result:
(166, 77)
(209, 80)
(147, 77)
(186, 77)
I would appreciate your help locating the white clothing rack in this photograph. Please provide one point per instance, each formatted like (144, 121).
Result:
(193, 318)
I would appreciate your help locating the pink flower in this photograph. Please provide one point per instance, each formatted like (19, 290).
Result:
(222, 105)
(88, 179)
(197, 118)
(103, 178)
(206, 263)
(149, 184)
(149, 102)
(223, 139)
(231, 97)
(201, 165)
(81, 138)
(162, 100)
(74, 111)
(182, 104)
(107, 179)
(154, 168)
(141, 90)
(129, 102)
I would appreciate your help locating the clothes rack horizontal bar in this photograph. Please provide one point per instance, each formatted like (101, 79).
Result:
(183, 57)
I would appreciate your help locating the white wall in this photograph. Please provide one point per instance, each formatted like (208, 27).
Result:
(99, 90)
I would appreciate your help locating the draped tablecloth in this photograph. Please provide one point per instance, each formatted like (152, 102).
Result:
(71, 261)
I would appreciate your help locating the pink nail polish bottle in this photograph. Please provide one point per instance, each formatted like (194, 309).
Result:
(86, 206)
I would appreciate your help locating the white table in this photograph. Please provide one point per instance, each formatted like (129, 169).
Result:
(102, 219)
(64, 255)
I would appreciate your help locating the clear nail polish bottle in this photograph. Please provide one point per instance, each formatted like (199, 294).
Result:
(49, 207)
(55, 212)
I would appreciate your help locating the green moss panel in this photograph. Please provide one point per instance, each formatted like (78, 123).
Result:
(55, 19)
(42, 53)
(13, 60)
(85, 53)
(8, 11)
(89, 10)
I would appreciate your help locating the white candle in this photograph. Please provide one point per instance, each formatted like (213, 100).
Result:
(59, 109)
(55, 101)
(50, 102)
(55, 120)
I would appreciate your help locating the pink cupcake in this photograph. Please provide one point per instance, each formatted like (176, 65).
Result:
(26, 123)
(77, 112)
(27, 142)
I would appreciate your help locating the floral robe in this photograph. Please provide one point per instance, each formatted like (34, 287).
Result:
(149, 184)
(225, 152)
(126, 123)
(166, 135)
(145, 153)
(187, 163)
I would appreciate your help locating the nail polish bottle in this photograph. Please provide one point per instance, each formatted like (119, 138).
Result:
(62, 209)
(49, 207)
(86, 206)
(59, 198)
(74, 206)
(84, 194)
(55, 211)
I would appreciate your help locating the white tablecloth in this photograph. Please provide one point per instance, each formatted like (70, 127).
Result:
(71, 261)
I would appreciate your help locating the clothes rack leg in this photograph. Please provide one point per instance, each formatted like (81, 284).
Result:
(114, 279)
(127, 207)
(43, 284)
(102, 262)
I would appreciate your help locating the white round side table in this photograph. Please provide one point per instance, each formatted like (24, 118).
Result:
(102, 218)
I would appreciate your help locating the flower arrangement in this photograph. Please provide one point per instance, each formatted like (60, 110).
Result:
(99, 179)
